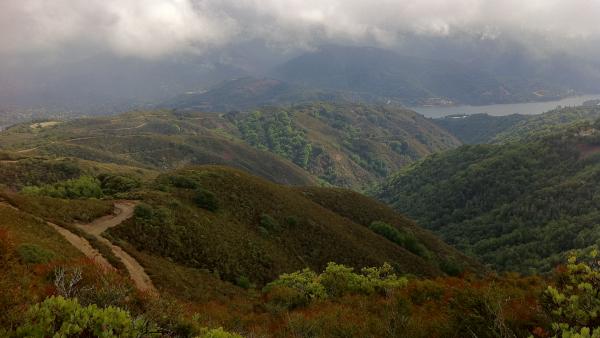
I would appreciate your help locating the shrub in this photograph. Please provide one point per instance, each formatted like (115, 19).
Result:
(33, 254)
(82, 187)
(60, 317)
(402, 238)
(574, 304)
(299, 288)
(180, 181)
(206, 200)
(269, 223)
(243, 282)
(451, 267)
(143, 211)
(113, 184)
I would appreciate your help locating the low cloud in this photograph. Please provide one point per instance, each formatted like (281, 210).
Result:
(158, 28)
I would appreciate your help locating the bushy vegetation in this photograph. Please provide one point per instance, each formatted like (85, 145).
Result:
(82, 187)
(518, 206)
(574, 302)
(206, 200)
(348, 145)
(300, 288)
(402, 238)
(276, 132)
(258, 232)
(57, 316)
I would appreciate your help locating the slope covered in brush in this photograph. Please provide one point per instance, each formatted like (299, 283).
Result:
(241, 226)
(518, 206)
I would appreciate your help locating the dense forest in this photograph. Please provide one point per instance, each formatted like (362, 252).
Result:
(519, 206)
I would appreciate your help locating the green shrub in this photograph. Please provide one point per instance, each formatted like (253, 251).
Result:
(299, 288)
(143, 211)
(113, 184)
(451, 267)
(402, 238)
(33, 254)
(206, 200)
(82, 187)
(269, 223)
(292, 221)
(243, 282)
(60, 317)
(184, 182)
(574, 303)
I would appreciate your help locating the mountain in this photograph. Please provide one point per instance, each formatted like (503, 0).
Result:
(247, 93)
(412, 80)
(484, 128)
(517, 206)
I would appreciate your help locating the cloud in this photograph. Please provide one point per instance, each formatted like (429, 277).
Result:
(156, 28)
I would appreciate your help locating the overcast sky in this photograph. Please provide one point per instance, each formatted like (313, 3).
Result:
(159, 28)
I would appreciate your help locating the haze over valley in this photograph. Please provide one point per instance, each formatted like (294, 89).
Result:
(288, 168)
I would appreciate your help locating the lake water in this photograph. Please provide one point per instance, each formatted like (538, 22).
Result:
(505, 109)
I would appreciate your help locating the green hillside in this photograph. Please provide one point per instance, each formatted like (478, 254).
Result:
(349, 145)
(152, 141)
(517, 206)
(255, 229)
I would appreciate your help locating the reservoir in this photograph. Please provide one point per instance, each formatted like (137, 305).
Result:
(529, 108)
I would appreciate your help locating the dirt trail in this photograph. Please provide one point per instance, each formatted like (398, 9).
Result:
(80, 243)
(124, 210)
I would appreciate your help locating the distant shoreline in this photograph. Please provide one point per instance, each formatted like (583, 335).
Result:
(525, 108)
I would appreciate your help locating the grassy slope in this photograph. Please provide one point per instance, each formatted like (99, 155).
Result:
(157, 140)
(518, 206)
(230, 242)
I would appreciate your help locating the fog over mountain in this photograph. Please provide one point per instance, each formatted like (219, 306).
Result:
(50, 49)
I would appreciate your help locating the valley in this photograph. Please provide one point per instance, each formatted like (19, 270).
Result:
(299, 169)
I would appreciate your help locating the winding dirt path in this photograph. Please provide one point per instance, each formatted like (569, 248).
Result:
(124, 211)
(78, 242)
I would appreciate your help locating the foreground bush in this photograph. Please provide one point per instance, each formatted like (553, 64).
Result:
(299, 288)
(60, 317)
(574, 303)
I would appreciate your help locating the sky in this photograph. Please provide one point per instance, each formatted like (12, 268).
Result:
(154, 29)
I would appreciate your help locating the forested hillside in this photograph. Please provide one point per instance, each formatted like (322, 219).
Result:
(517, 206)
(349, 145)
